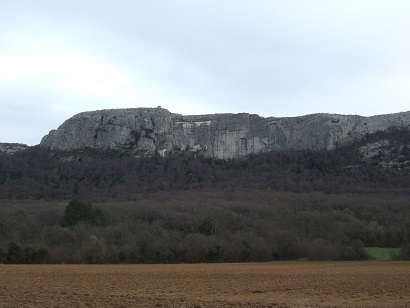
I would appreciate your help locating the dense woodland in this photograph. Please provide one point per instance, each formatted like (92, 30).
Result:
(106, 207)
(206, 226)
(90, 174)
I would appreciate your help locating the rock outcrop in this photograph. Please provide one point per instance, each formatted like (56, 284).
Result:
(145, 131)
(11, 148)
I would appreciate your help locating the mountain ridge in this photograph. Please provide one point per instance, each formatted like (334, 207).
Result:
(147, 131)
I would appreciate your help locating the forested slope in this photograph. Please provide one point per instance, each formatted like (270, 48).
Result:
(380, 163)
(319, 205)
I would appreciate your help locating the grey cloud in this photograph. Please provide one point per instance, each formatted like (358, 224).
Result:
(266, 57)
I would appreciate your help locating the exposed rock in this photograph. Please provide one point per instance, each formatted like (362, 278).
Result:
(387, 154)
(11, 148)
(375, 149)
(145, 131)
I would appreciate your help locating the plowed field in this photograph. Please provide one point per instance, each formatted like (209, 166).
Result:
(281, 284)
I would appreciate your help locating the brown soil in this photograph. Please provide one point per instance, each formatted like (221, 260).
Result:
(281, 284)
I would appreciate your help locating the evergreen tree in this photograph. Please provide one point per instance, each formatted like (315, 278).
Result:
(78, 211)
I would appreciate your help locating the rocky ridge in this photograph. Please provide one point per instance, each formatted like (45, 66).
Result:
(146, 131)
(11, 148)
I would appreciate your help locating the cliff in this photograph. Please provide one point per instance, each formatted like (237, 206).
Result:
(145, 131)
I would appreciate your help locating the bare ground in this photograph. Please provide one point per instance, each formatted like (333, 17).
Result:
(281, 284)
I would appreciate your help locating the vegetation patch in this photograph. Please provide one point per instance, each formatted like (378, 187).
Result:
(383, 254)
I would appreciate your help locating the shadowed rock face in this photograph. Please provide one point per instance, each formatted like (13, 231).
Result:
(145, 131)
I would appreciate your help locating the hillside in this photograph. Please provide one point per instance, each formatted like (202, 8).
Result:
(377, 163)
(188, 207)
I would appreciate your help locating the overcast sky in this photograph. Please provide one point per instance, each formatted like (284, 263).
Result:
(269, 57)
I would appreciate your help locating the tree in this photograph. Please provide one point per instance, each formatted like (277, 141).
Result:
(78, 211)
(15, 253)
(2, 256)
(405, 252)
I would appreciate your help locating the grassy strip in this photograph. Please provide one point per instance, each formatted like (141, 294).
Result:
(384, 254)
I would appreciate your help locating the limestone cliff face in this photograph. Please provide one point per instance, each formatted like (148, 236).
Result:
(145, 131)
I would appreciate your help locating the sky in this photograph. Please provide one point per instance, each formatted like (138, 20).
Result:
(269, 57)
